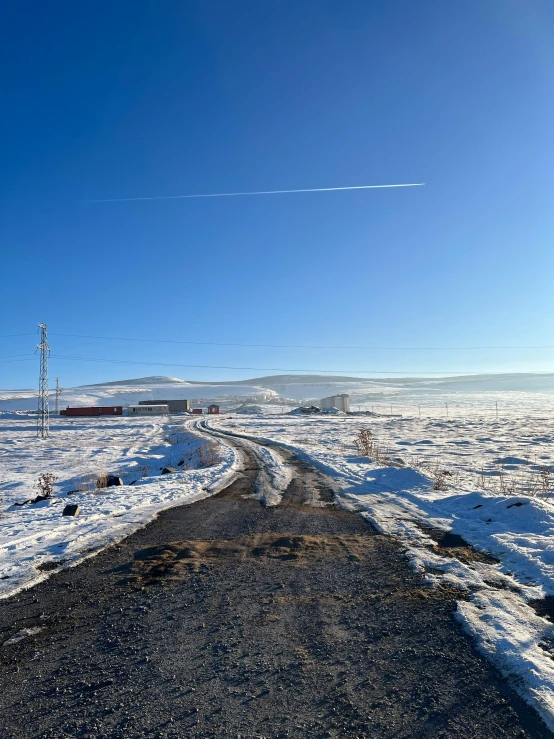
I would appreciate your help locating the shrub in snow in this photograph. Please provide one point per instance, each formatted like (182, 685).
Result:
(45, 485)
(209, 455)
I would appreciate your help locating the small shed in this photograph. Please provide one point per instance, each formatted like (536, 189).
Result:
(213, 409)
(197, 411)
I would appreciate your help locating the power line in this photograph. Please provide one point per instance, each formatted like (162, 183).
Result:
(302, 346)
(11, 356)
(9, 336)
(265, 369)
(8, 361)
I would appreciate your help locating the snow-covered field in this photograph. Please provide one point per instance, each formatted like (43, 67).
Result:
(470, 455)
(78, 451)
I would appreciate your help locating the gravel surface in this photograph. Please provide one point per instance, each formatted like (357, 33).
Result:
(225, 618)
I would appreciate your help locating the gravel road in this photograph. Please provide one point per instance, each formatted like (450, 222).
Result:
(226, 618)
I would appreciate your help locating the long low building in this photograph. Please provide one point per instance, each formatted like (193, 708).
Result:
(97, 410)
(175, 406)
(147, 410)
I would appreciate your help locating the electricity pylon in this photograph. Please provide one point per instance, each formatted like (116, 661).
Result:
(43, 420)
(58, 393)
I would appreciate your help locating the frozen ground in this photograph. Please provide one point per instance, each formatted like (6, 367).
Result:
(34, 538)
(492, 436)
(492, 465)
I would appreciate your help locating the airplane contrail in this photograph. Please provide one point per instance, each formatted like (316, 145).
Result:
(262, 192)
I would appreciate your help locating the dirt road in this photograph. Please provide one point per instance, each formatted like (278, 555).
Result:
(226, 618)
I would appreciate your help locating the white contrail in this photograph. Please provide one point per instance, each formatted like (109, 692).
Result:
(263, 192)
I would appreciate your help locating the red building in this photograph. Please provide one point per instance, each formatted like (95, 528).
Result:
(213, 409)
(197, 411)
(101, 410)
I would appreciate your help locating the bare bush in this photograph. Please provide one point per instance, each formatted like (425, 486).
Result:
(482, 480)
(528, 481)
(545, 481)
(45, 484)
(374, 448)
(531, 479)
(209, 454)
(441, 478)
(364, 443)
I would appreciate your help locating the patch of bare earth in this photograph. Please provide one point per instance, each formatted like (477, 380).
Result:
(175, 561)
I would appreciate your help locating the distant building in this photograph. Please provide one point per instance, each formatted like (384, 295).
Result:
(213, 409)
(101, 410)
(175, 406)
(147, 410)
(342, 402)
(197, 411)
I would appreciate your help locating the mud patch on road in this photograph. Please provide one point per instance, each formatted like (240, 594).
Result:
(175, 561)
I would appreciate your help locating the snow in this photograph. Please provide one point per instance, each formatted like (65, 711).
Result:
(78, 452)
(493, 435)
(23, 634)
(399, 498)
(126, 392)
(274, 476)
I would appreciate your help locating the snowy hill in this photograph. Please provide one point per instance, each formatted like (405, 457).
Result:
(278, 389)
(123, 392)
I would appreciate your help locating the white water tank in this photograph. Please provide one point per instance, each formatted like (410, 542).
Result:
(342, 402)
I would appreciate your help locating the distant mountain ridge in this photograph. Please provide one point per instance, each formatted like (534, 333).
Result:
(282, 389)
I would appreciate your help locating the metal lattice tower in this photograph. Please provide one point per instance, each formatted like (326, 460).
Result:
(58, 393)
(43, 420)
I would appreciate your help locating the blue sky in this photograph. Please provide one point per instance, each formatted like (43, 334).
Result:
(131, 99)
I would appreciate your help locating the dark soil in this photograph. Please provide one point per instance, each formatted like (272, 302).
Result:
(544, 607)
(228, 619)
(453, 545)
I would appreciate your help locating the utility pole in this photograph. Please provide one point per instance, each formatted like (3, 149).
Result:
(43, 420)
(58, 393)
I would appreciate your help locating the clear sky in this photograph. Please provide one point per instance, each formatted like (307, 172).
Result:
(136, 99)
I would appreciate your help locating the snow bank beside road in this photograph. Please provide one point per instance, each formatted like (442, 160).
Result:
(35, 536)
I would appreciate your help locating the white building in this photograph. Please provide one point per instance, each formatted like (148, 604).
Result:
(342, 402)
(147, 410)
